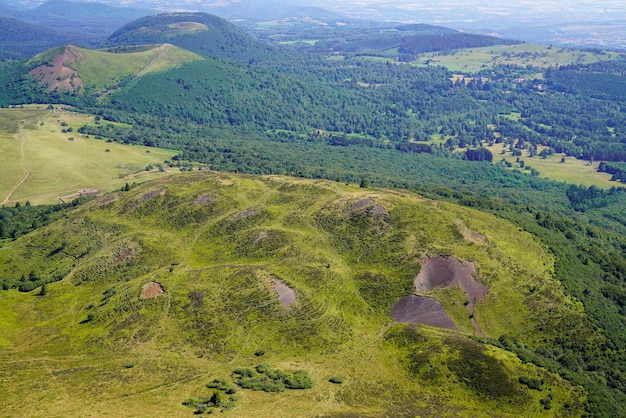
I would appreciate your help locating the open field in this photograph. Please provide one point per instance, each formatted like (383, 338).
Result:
(572, 171)
(476, 59)
(41, 163)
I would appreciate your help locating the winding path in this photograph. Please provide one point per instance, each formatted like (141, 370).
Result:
(22, 138)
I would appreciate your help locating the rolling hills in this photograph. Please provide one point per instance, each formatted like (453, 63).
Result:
(549, 255)
(217, 246)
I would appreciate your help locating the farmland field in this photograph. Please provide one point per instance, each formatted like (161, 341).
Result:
(476, 59)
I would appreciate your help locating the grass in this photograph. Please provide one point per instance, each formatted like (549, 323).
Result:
(100, 69)
(572, 171)
(32, 139)
(217, 260)
(476, 59)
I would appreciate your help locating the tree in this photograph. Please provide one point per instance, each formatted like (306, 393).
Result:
(364, 183)
(43, 291)
(216, 399)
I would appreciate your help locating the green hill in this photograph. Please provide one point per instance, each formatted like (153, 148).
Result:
(75, 69)
(198, 278)
(201, 33)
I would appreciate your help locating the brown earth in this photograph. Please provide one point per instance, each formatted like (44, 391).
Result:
(57, 75)
(286, 295)
(423, 310)
(106, 200)
(151, 290)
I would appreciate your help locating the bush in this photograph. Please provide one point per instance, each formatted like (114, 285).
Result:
(263, 368)
(243, 372)
(299, 380)
(336, 379)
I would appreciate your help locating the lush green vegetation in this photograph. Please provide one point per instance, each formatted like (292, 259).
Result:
(216, 243)
(552, 254)
(49, 161)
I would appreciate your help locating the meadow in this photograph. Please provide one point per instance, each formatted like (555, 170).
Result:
(90, 345)
(43, 149)
(557, 167)
(522, 55)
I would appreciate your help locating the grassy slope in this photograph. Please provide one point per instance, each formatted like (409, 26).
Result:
(59, 166)
(216, 260)
(103, 68)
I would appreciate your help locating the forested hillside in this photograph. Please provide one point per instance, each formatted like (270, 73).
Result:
(376, 119)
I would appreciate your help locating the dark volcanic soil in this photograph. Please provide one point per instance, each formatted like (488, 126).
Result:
(449, 272)
(423, 310)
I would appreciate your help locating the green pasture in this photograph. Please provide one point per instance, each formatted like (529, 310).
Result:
(572, 170)
(476, 59)
(61, 164)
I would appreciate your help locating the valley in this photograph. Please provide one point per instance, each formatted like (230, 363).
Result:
(369, 219)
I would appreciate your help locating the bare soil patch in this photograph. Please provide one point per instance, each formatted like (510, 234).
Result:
(286, 295)
(106, 200)
(204, 200)
(152, 290)
(246, 213)
(423, 310)
(150, 195)
(123, 256)
(448, 272)
(361, 204)
(57, 75)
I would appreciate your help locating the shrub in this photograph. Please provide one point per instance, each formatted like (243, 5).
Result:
(299, 380)
(263, 368)
(243, 372)
(336, 379)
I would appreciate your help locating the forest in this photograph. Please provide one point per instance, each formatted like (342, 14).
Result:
(398, 125)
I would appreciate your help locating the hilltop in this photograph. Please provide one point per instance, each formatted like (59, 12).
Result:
(75, 69)
(154, 292)
(201, 33)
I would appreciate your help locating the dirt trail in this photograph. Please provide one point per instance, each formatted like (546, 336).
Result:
(22, 138)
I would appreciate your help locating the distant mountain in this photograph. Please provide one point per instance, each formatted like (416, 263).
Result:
(21, 40)
(76, 70)
(6, 10)
(316, 13)
(93, 21)
(441, 42)
(201, 33)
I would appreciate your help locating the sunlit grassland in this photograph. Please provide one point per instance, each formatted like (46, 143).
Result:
(572, 171)
(91, 347)
(476, 59)
(61, 163)
(102, 68)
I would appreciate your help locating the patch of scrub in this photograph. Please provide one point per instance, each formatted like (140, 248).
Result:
(423, 310)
